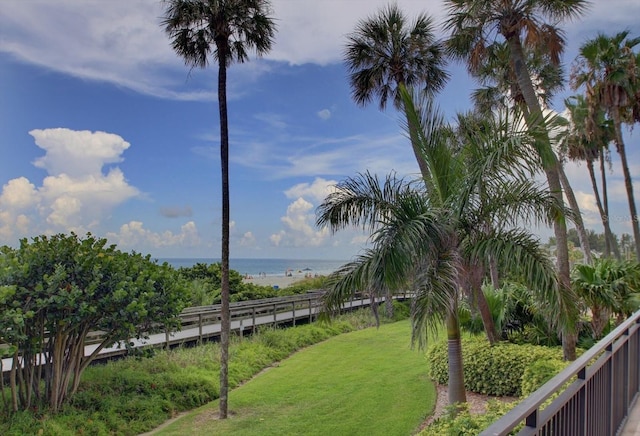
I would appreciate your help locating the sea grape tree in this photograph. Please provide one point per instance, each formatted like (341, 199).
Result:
(55, 291)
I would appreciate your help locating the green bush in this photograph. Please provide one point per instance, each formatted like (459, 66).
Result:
(490, 370)
(538, 373)
(467, 424)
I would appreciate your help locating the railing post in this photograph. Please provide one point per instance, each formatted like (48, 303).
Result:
(310, 314)
(275, 319)
(200, 328)
(293, 310)
(253, 318)
(611, 375)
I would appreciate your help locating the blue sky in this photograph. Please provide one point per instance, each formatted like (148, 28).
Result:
(105, 130)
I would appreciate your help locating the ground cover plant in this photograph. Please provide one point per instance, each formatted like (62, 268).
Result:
(136, 394)
(365, 382)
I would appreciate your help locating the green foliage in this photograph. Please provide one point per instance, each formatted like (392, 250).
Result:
(55, 290)
(491, 370)
(539, 372)
(204, 285)
(134, 395)
(464, 423)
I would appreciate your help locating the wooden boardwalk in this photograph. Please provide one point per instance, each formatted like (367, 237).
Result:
(203, 322)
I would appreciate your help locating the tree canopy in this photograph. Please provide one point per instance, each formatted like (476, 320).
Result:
(55, 291)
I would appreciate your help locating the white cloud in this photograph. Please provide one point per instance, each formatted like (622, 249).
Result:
(330, 156)
(247, 240)
(134, 235)
(76, 195)
(300, 230)
(18, 194)
(77, 153)
(324, 114)
(122, 42)
(317, 190)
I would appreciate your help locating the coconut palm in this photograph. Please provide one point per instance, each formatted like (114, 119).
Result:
(474, 24)
(387, 50)
(225, 31)
(581, 146)
(609, 69)
(425, 233)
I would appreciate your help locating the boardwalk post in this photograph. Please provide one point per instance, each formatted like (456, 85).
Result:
(200, 328)
(293, 309)
(275, 311)
(253, 318)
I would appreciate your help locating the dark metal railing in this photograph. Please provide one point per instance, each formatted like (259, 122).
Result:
(594, 393)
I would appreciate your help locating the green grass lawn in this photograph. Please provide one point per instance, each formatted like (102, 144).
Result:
(368, 382)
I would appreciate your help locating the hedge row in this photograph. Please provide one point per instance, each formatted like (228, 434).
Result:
(503, 369)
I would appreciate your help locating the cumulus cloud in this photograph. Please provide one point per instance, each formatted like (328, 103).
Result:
(299, 228)
(76, 195)
(77, 153)
(135, 235)
(247, 240)
(317, 191)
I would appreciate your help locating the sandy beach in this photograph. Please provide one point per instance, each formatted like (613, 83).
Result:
(281, 281)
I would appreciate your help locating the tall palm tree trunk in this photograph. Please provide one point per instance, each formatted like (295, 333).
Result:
(224, 163)
(613, 244)
(550, 165)
(573, 203)
(608, 236)
(457, 392)
(627, 180)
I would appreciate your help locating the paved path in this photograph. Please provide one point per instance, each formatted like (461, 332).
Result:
(632, 426)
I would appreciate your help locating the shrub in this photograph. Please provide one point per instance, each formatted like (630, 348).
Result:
(538, 373)
(490, 370)
(467, 424)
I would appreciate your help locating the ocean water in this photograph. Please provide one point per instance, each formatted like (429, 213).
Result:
(270, 267)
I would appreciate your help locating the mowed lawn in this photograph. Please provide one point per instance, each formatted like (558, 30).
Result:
(368, 382)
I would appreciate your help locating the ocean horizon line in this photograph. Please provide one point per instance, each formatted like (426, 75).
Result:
(264, 266)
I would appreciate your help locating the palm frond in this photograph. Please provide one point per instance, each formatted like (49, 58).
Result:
(519, 253)
(436, 287)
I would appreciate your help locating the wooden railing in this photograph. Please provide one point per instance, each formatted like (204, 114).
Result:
(200, 323)
(596, 391)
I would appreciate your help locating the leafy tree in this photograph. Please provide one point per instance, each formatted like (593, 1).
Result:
(477, 23)
(55, 291)
(609, 69)
(424, 233)
(224, 30)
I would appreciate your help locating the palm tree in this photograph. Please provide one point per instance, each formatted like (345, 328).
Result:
(224, 30)
(610, 71)
(500, 91)
(608, 286)
(386, 51)
(589, 147)
(425, 233)
(476, 23)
